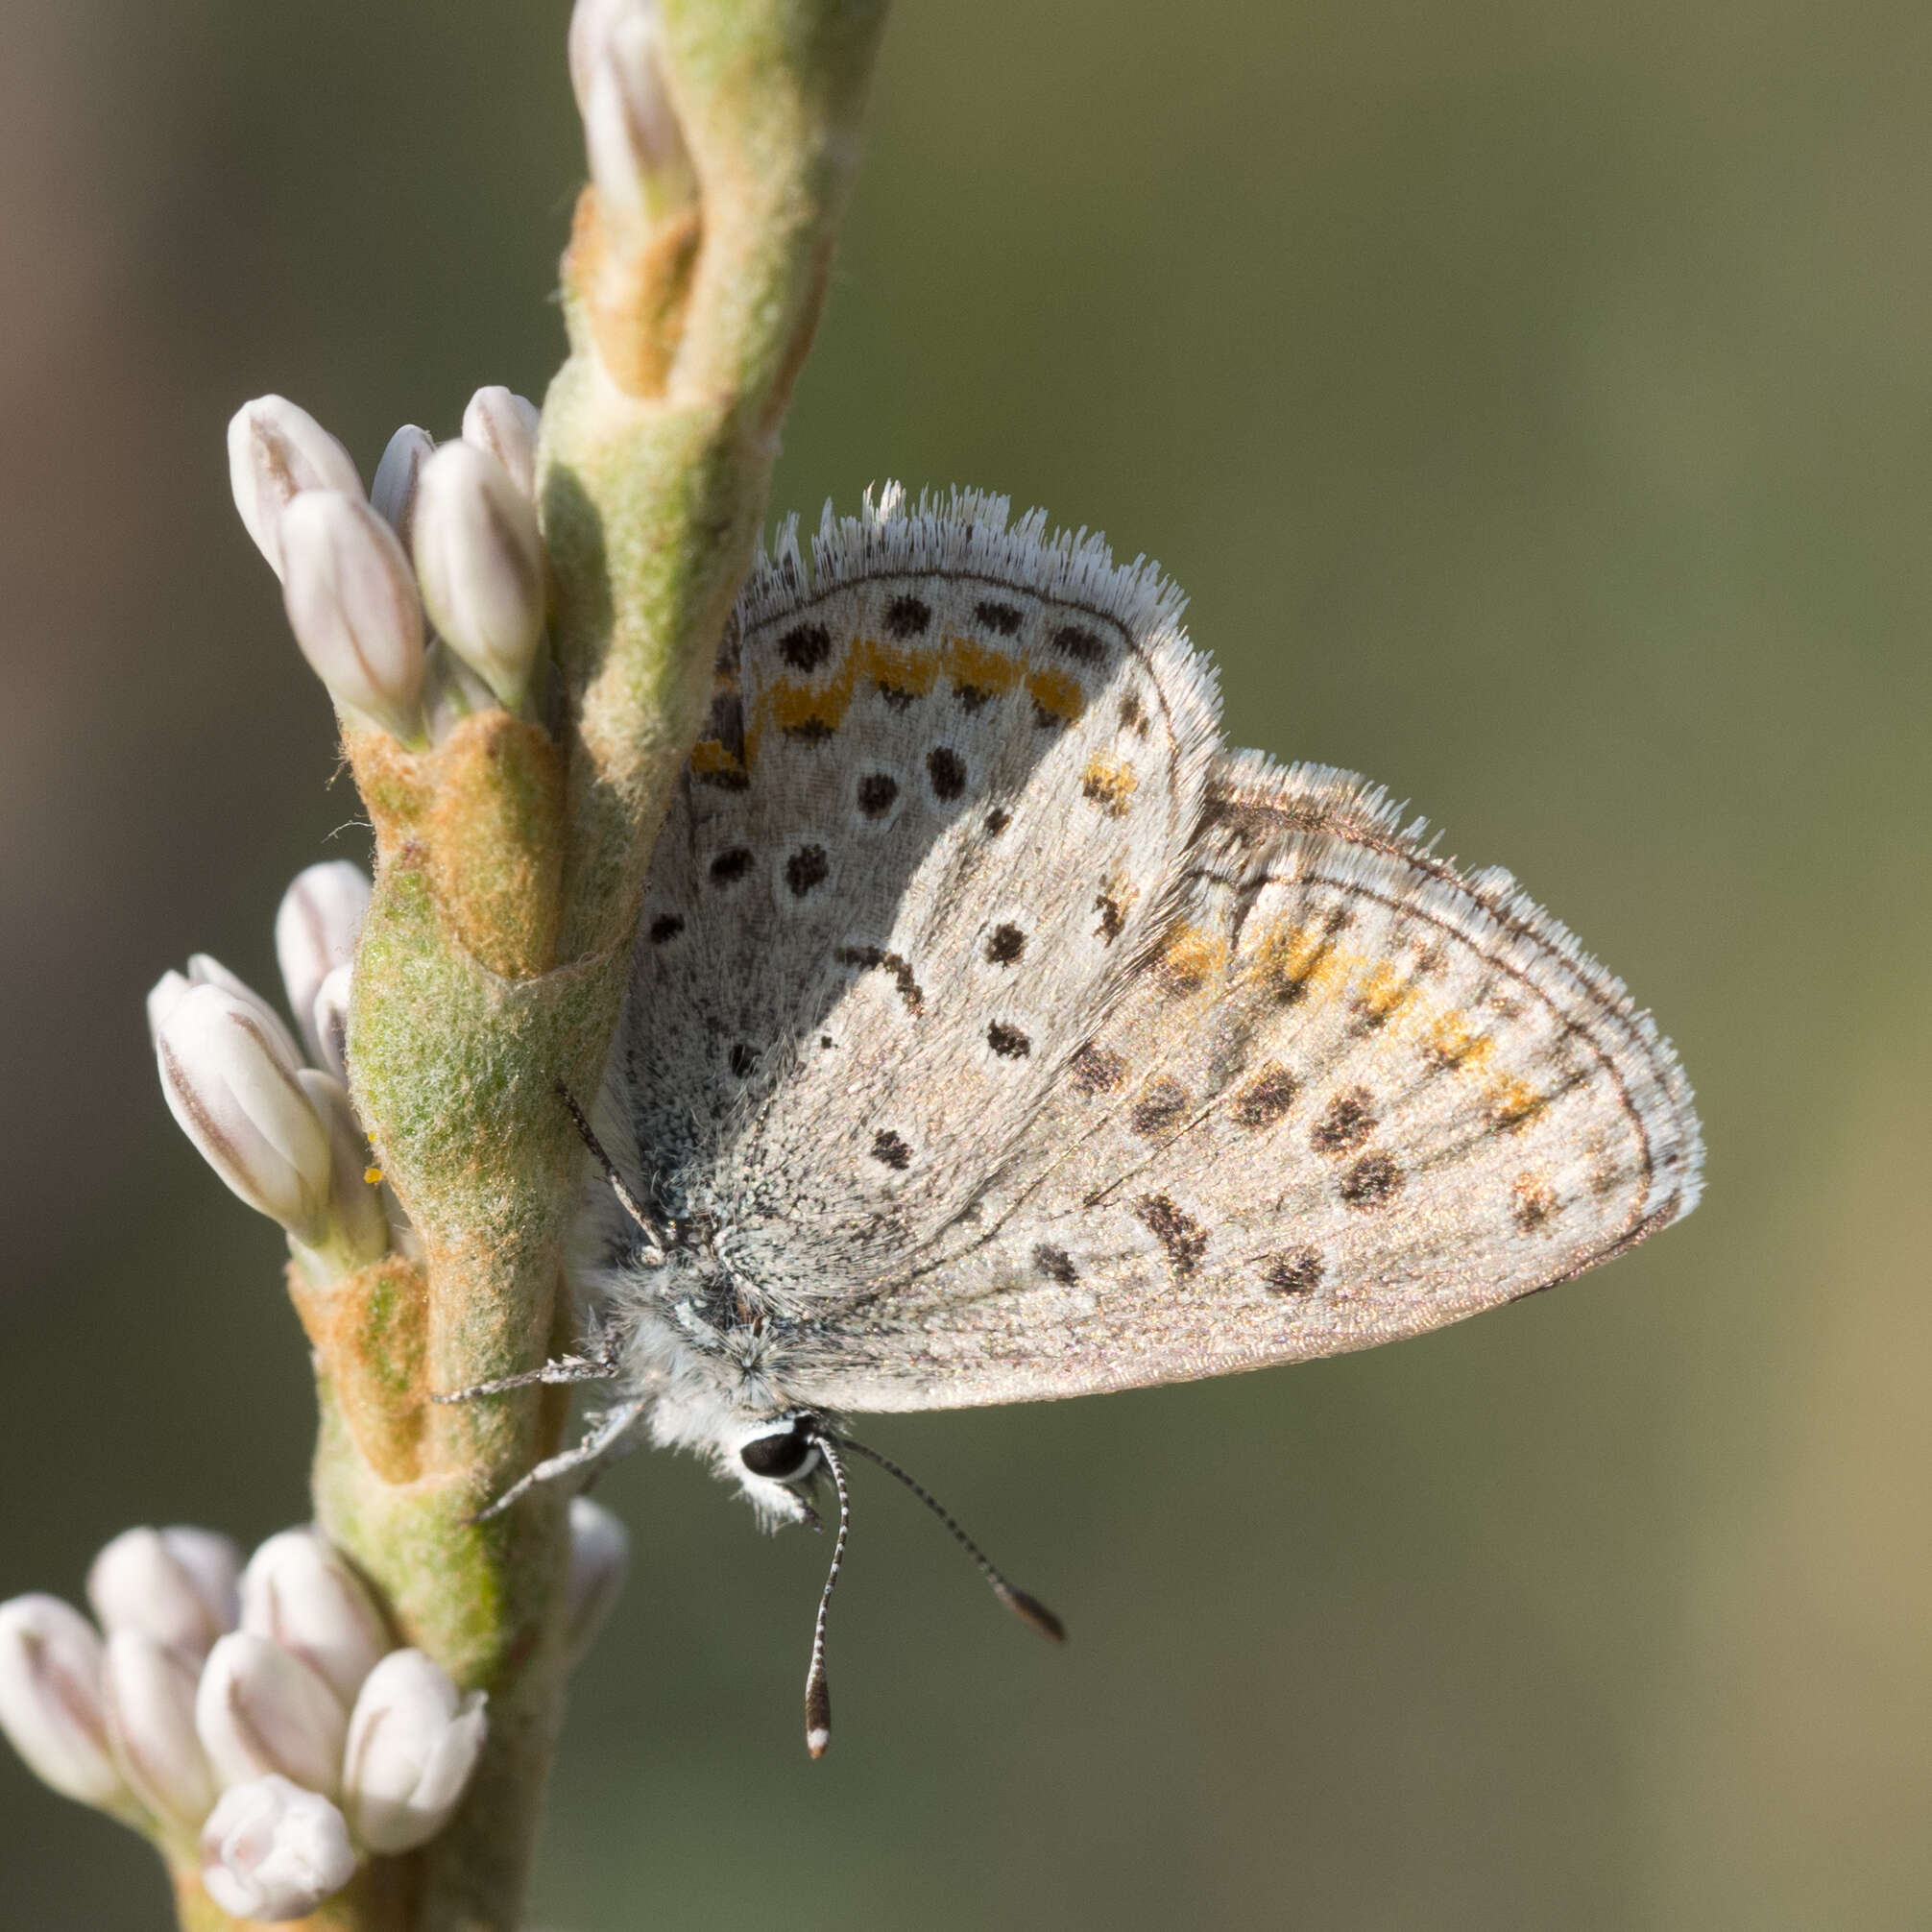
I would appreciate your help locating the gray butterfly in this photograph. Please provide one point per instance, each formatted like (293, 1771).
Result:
(997, 1033)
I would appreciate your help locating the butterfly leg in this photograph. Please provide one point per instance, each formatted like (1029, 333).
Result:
(599, 1368)
(597, 1363)
(604, 1435)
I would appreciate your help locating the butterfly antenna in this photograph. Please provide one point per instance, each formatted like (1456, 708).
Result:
(1027, 1608)
(817, 1698)
(625, 1198)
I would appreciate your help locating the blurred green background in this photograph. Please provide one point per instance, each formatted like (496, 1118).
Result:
(1535, 399)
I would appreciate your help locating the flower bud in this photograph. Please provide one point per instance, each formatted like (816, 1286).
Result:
(480, 557)
(329, 1017)
(169, 990)
(233, 1090)
(50, 1700)
(352, 605)
(300, 1592)
(358, 1230)
(258, 1710)
(630, 136)
(316, 927)
(393, 493)
(148, 1697)
(272, 1851)
(504, 424)
(413, 1742)
(176, 1585)
(276, 451)
(600, 1553)
(164, 996)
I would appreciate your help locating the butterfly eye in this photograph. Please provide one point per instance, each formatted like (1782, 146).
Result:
(781, 1458)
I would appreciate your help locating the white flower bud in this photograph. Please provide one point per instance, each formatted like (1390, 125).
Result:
(205, 969)
(300, 1592)
(148, 1696)
(272, 1851)
(164, 996)
(393, 493)
(276, 451)
(358, 1231)
(630, 136)
(504, 424)
(600, 1553)
(329, 1017)
(480, 557)
(352, 605)
(258, 1710)
(50, 1700)
(177, 1586)
(413, 1742)
(316, 927)
(232, 1089)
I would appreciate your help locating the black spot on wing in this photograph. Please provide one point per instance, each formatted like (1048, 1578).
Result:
(1182, 1239)
(1266, 1098)
(1096, 1070)
(867, 958)
(1372, 1182)
(907, 617)
(1008, 1041)
(1055, 1264)
(806, 869)
(947, 770)
(1163, 1103)
(1005, 944)
(805, 647)
(877, 793)
(1082, 645)
(1295, 1271)
(1345, 1124)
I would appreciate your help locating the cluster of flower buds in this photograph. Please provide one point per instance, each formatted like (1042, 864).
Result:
(638, 163)
(423, 600)
(279, 1130)
(257, 1721)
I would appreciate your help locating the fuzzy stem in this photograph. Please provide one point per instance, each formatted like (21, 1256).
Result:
(510, 867)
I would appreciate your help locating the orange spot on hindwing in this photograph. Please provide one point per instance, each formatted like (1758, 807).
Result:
(1190, 960)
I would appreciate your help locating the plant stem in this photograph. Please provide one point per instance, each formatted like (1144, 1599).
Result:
(510, 867)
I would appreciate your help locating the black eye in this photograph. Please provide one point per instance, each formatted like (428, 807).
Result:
(782, 1458)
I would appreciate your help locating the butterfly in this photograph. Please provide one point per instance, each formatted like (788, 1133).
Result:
(996, 1032)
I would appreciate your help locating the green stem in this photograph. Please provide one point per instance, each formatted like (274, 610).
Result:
(510, 871)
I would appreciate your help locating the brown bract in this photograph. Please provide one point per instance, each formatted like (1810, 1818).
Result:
(482, 814)
(633, 296)
(368, 1331)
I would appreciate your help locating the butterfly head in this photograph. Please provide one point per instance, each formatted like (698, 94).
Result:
(777, 1461)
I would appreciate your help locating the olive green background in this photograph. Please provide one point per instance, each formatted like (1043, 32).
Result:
(1534, 399)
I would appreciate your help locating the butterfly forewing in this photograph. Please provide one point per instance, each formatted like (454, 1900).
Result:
(916, 859)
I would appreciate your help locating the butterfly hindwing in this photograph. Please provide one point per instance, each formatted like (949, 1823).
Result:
(1353, 1096)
